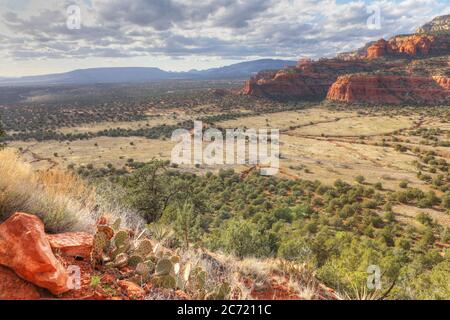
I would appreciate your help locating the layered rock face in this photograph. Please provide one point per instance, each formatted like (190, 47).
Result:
(385, 89)
(73, 244)
(440, 25)
(309, 80)
(405, 69)
(412, 46)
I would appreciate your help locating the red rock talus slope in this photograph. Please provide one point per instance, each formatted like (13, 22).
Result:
(384, 89)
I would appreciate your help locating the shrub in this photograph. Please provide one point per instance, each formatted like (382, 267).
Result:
(403, 184)
(425, 219)
(283, 214)
(242, 239)
(360, 179)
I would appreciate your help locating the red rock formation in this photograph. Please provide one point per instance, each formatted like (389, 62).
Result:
(72, 244)
(378, 49)
(422, 57)
(12, 287)
(384, 89)
(444, 82)
(309, 80)
(131, 289)
(413, 46)
(24, 248)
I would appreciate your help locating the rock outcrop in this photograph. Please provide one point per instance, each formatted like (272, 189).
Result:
(73, 244)
(308, 80)
(407, 69)
(387, 89)
(420, 45)
(439, 25)
(25, 249)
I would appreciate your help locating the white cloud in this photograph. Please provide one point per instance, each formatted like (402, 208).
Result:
(220, 29)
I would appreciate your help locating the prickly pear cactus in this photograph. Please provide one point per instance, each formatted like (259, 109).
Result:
(151, 265)
(135, 260)
(119, 250)
(144, 271)
(187, 272)
(116, 224)
(164, 267)
(165, 281)
(120, 238)
(144, 248)
(220, 293)
(153, 258)
(99, 245)
(121, 260)
(106, 230)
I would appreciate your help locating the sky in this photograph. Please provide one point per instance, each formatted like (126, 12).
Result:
(51, 36)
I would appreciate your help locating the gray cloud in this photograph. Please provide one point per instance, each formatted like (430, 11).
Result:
(235, 29)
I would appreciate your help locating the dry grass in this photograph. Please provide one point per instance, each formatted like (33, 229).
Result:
(98, 151)
(409, 213)
(63, 201)
(362, 126)
(298, 278)
(286, 119)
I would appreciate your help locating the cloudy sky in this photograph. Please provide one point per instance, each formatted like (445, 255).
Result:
(38, 36)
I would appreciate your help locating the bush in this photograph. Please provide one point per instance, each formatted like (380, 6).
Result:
(403, 184)
(283, 214)
(242, 239)
(360, 179)
(425, 219)
(295, 249)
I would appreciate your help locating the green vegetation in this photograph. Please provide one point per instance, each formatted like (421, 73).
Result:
(339, 230)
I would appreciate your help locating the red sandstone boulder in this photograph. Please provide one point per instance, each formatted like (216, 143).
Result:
(131, 289)
(12, 287)
(73, 244)
(24, 248)
(387, 89)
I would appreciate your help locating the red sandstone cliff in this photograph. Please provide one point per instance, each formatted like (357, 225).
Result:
(387, 89)
(309, 80)
(412, 46)
(415, 69)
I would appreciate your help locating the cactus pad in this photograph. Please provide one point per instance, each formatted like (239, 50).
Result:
(135, 260)
(164, 267)
(120, 238)
(144, 248)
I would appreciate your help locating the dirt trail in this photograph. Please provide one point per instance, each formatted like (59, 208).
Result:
(314, 124)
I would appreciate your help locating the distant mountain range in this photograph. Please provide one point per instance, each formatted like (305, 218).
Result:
(241, 70)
